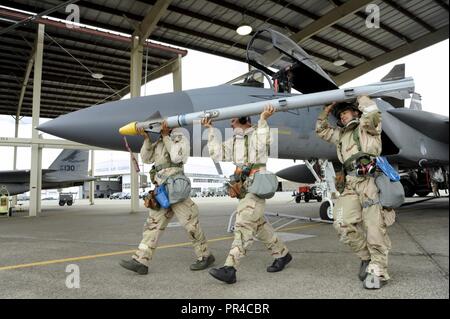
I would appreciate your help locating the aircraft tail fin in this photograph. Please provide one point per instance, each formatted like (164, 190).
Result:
(72, 161)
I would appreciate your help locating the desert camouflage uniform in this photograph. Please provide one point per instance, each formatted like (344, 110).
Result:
(166, 150)
(359, 218)
(249, 146)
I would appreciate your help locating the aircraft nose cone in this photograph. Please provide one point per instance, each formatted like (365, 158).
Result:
(53, 127)
(96, 126)
(99, 125)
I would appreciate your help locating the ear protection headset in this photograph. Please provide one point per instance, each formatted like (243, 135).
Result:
(244, 120)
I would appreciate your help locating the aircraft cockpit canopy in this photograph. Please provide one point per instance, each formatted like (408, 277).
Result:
(281, 58)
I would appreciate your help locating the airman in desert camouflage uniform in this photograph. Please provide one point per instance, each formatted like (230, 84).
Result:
(359, 218)
(248, 148)
(169, 153)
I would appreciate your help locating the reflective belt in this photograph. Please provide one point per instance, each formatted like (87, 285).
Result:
(167, 165)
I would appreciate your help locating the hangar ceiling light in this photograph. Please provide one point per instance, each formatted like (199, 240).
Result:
(97, 75)
(244, 28)
(339, 61)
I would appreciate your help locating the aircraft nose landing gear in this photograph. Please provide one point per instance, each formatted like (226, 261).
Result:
(326, 186)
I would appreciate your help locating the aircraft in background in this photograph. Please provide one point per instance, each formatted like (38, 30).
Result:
(69, 169)
(413, 140)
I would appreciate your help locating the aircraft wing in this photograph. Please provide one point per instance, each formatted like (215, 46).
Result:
(59, 177)
(18, 176)
(432, 125)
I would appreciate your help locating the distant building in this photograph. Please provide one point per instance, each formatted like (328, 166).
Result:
(206, 183)
(104, 187)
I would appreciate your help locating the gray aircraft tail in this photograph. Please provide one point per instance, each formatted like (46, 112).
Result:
(72, 161)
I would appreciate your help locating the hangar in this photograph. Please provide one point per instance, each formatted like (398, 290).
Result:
(52, 66)
(62, 69)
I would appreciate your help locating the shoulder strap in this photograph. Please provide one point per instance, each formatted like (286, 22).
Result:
(356, 138)
(246, 148)
(233, 152)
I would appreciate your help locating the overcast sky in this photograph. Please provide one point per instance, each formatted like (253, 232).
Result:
(428, 67)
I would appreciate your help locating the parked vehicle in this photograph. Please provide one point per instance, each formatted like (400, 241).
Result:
(115, 195)
(65, 198)
(124, 195)
(306, 193)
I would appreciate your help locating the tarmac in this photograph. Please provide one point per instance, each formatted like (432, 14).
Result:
(39, 256)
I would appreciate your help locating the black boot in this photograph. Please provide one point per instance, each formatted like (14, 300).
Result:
(363, 269)
(135, 266)
(226, 274)
(280, 263)
(204, 263)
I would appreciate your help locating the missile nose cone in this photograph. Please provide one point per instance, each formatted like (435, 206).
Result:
(129, 129)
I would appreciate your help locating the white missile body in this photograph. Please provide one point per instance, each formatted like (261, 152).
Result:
(398, 88)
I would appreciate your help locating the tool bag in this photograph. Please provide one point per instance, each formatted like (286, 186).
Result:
(178, 188)
(391, 194)
(263, 184)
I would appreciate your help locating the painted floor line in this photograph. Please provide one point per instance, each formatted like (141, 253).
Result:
(124, 252)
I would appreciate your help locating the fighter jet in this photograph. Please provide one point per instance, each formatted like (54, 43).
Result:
(69, 169)
(412, 139)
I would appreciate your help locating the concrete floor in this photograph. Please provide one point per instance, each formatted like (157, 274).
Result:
(34, 254)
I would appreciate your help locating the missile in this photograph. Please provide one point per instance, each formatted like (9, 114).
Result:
(399, 89)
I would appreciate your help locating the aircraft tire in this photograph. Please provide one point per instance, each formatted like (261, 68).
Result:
(423, 193)
(69, 203)
(408, 188)
(61, 203)
(324, 211)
